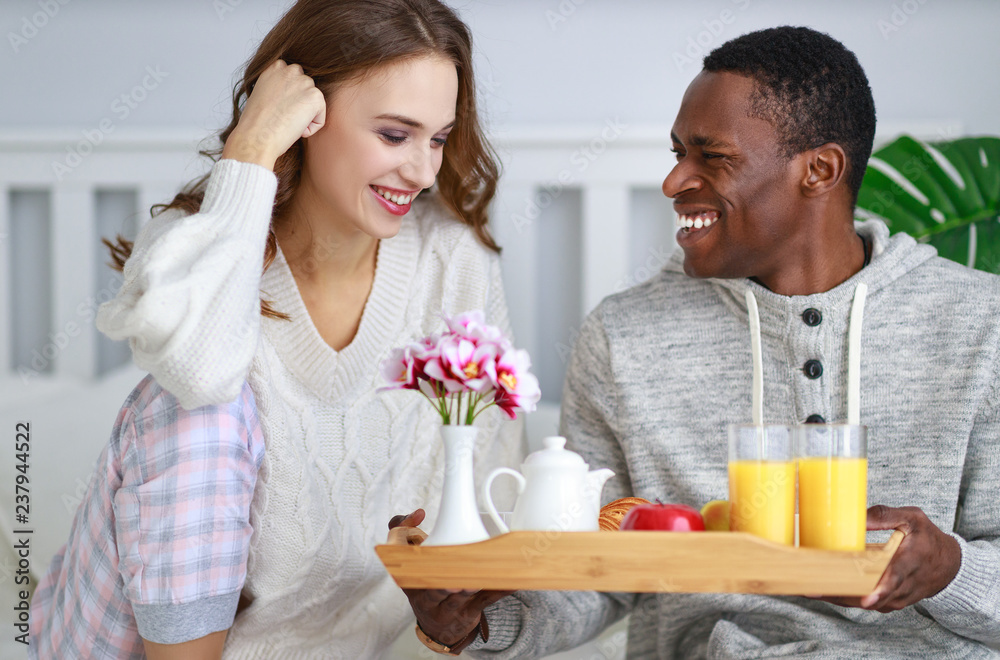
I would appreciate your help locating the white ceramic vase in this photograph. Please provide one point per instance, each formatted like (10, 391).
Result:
(458, 518)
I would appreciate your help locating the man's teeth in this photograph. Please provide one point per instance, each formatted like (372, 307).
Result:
(697, 220)
(395, 198)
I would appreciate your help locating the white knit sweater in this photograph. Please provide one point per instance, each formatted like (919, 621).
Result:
(341, 458)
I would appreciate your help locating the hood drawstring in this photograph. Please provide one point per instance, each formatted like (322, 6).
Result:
(758, 360)
(853, 356)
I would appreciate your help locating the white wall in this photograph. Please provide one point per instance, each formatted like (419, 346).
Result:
(540, 61)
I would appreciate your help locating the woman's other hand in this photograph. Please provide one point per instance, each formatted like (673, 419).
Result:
(446, 615)
(208, 647)
(285, 105)
(412, 520)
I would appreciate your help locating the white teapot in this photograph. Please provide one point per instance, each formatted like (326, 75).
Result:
(557, 492)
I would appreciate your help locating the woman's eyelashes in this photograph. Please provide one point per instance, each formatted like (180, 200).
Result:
(396, 138)
(393, 138)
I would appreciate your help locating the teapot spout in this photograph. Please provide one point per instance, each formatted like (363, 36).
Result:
(597, 478)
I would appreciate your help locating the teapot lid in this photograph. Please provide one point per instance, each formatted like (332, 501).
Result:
(555, 454)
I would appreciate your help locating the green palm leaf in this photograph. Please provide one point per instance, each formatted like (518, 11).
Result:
(944, 193)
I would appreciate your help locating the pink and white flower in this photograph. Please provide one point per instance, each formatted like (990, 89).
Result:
(517, 388)
(465, 370)
(423, 350)
(463, 366)
(398, 369)
(472, 325)
(426, 348)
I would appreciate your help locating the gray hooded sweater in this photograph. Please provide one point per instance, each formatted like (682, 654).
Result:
(661, 369)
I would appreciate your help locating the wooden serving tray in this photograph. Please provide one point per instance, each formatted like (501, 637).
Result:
(646, 561)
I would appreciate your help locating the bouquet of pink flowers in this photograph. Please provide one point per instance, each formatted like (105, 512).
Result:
(466, 370)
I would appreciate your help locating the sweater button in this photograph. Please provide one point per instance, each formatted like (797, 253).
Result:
(815, 419)
(812, 369)
(812, 317)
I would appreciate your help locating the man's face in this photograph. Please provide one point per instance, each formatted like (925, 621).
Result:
(732, 181)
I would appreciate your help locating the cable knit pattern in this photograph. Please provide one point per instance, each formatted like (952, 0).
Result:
(341, 458)
(189, 304)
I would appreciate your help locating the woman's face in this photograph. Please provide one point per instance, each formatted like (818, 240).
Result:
(384, 137)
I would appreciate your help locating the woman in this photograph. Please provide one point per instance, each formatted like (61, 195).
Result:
(236, 508)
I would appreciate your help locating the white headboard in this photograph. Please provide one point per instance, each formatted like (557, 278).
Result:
(584, 171)
(579, 215)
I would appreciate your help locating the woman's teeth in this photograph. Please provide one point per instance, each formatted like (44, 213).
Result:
(395, 198)
(697, 220)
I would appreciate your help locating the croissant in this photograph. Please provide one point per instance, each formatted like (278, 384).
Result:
(612, 513)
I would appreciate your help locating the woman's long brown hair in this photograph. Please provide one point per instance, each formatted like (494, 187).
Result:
(336, 41)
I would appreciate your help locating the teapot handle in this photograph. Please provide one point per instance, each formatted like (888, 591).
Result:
(488, 497)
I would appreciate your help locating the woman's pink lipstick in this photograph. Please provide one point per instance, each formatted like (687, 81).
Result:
(389, 205)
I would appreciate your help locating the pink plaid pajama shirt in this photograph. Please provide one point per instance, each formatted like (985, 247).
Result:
(158, 547)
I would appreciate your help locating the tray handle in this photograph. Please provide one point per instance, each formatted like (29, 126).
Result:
(893, 543)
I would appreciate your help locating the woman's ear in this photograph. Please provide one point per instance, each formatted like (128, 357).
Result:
(826, 166)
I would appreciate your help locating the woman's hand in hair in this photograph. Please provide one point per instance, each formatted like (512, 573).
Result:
(285, 105)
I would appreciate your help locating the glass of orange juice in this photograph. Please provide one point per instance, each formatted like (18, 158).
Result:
(762, 481)
(833, 485)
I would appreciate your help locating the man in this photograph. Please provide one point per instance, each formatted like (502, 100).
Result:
(772, 139)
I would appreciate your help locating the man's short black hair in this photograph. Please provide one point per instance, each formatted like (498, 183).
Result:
(809, 87)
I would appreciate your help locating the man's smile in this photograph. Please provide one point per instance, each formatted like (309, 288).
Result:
(697, 219)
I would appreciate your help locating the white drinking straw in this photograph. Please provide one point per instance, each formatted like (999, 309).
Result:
(758, 364)
(854, 355)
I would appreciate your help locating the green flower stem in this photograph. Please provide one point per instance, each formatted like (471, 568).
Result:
(449, 405)
(470, 414)
(434, 401)
(473, 418)
(443, 403)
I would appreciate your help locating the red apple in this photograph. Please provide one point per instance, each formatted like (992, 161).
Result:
(663, 517)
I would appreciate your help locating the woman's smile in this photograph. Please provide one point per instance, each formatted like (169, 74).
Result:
(393, 200)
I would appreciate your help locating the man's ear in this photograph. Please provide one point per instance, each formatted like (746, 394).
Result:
(826, 167)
